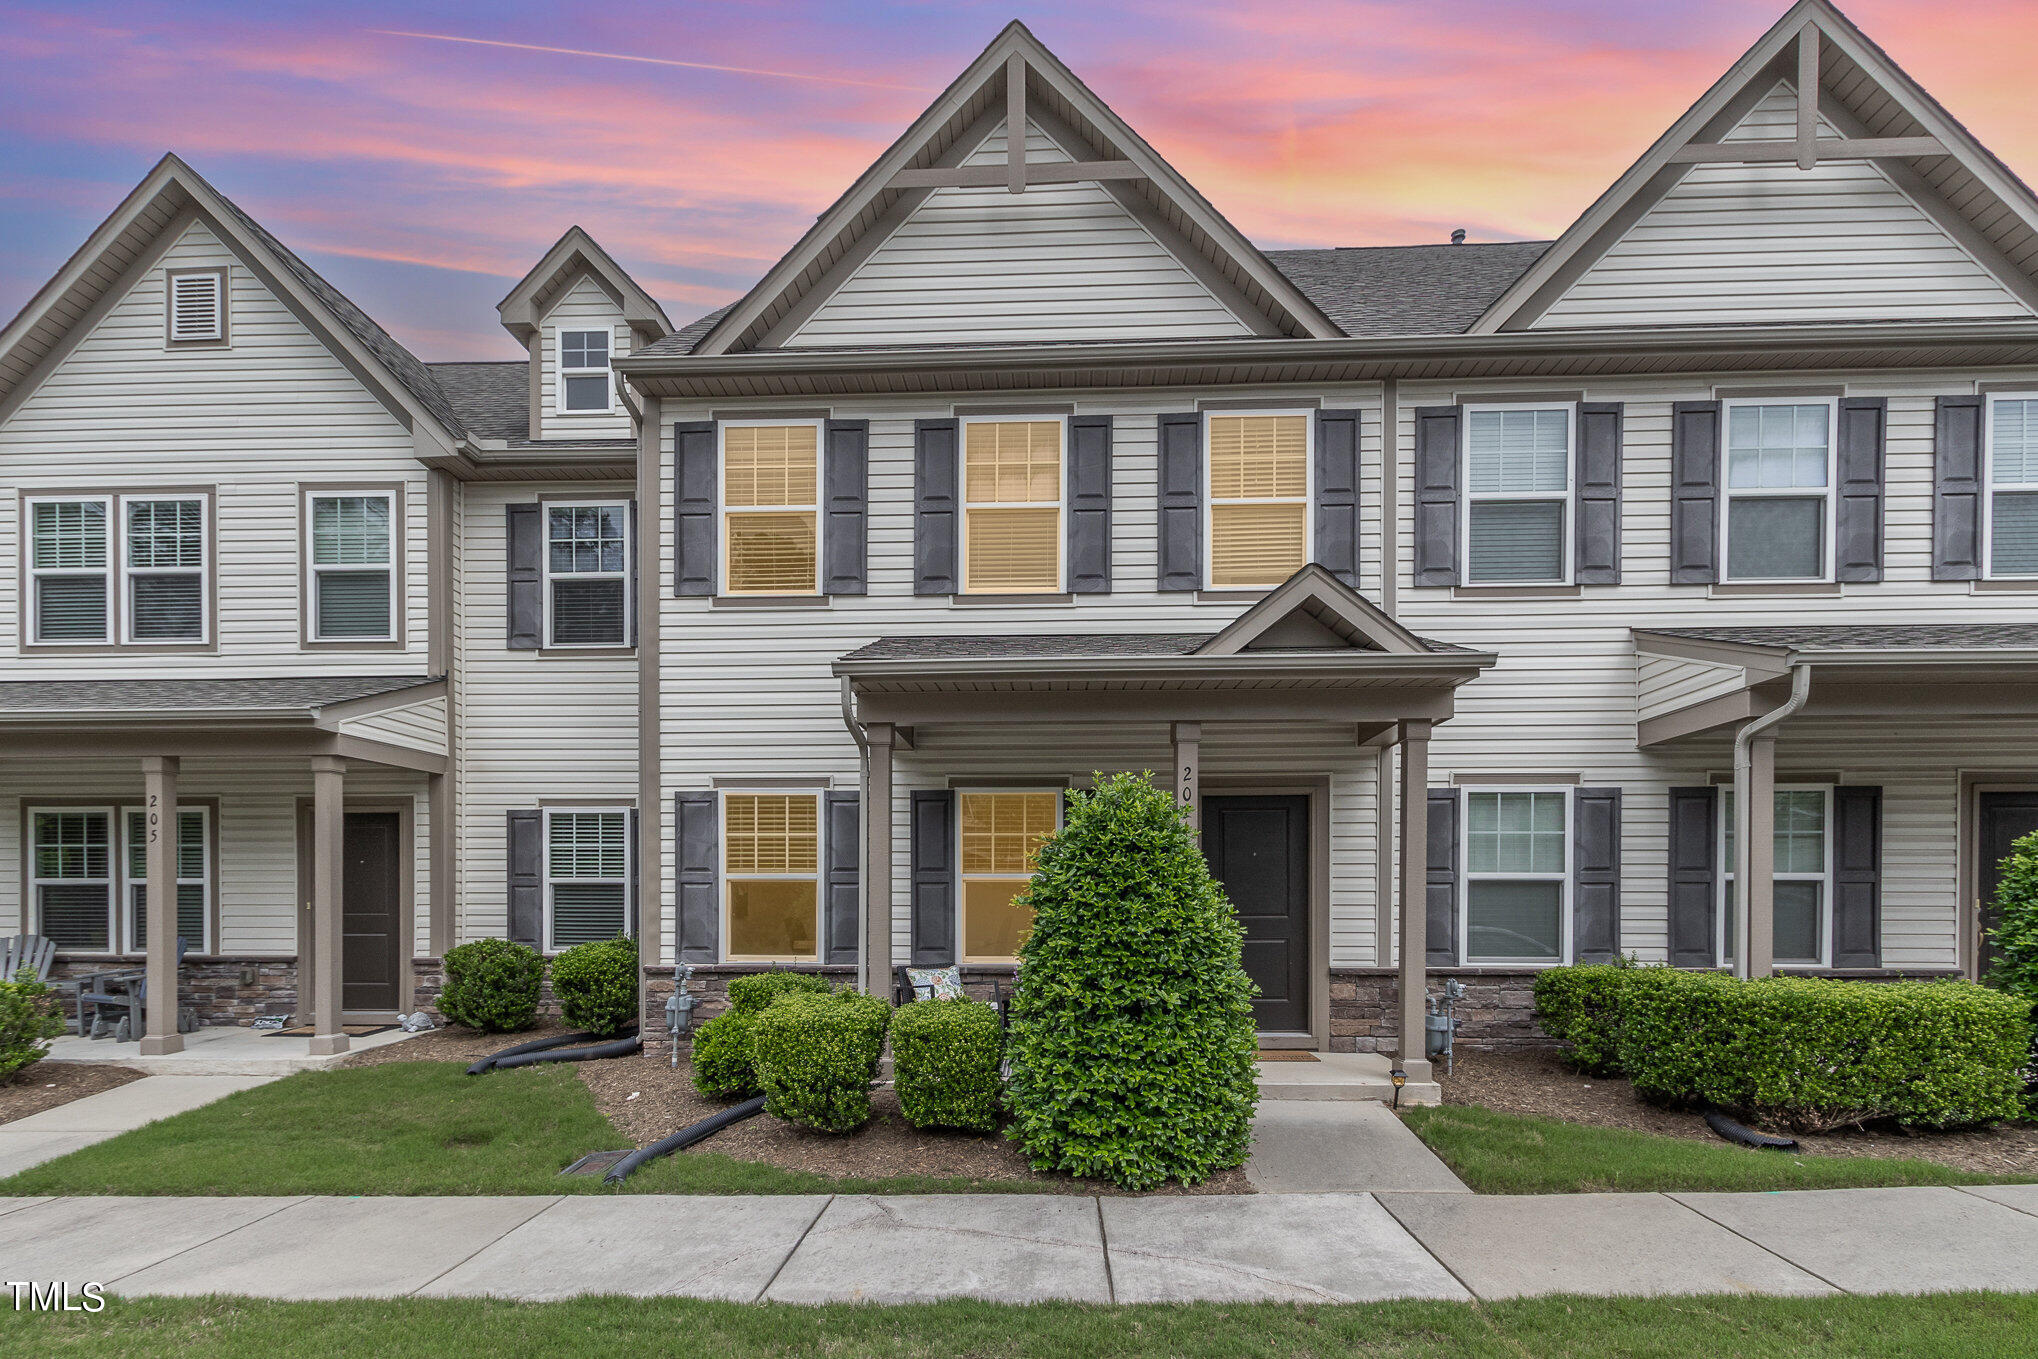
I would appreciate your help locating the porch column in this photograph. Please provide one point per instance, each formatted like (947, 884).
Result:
(328, 813)
(159, 790)
(1755, 861)
(874, 963)
(1188, 741)
(1414, 977)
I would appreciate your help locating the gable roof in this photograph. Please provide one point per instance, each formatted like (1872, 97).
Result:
(491, 397)
(572, 256)
(1857, 88)
(1313, 609)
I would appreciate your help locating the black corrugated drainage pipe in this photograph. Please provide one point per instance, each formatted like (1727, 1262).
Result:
(685, 1137)
(1746, 1136)
(548, 1050)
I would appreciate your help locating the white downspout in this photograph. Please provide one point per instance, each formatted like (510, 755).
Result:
(1744, 740)
(863, 969)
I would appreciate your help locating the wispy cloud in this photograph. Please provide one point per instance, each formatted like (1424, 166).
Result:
(651, 61)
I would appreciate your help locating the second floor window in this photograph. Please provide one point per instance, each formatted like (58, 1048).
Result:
(70, 563)
(163, 569)
(353, 567)
(2011, 469)
(1011, 526)
(587, 588)
(1259, 498)
(771, 479)
(772, 877)
(1779, 490)
(584, 383)
(1518, 495)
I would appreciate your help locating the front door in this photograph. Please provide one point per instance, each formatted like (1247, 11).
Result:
(2005, 818)
(370, 912)
(1258, 849)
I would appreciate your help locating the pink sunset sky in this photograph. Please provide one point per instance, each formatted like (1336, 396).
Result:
(422, 155)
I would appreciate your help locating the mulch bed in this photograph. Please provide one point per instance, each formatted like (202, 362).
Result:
(49, 1084)
(1538, 1081)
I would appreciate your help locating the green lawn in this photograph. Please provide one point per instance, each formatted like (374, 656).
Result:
(411, 1128)
(1950, 1326)
(1498, 1153)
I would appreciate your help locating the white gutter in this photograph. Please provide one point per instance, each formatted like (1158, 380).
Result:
(871, 985)
(1744, 803)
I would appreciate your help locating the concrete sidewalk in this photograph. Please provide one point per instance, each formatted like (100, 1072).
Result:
(1029, 1247)
(57, 1132)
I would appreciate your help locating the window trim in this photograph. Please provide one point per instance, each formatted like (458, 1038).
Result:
(220, 341)
(560, 372)
(547, 576)
(1565, 942)
(723, 510)
(1308, 415)
(551, 945)
(31, 915)
(1565, 498)
(963, 877)
(1728, 495)
(309, 637)
(1061, 502)
(819, 877)
(203, 944)
(1723, 905)
(32, 575)
(204, 571)
(1988, 486)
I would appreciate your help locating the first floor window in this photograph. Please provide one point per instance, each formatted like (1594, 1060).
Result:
(1259, 498)
(1518, 494)
(163, 565)
(2012, 473)
(587, 560)
(70, 563)
(1516, 876)
(587, 876)
(353, 567)
(1011, 523)
(1779, 459)
(584, 383)
(194, 879)
(71, 878)
(1802, 874)
(771, 874)
(771, 479)
(1001, 837)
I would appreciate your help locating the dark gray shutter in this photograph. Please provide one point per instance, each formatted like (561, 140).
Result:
(1596, 540)
(630, 823)
(1857, 534)
(843, 860)
(524, 543)
(630, 605)
(1694, 492)
(1595, 875)
(694, 481)
(1089, 543)
(936, 507)
(1857, 877)
(1179, 449)
(933, 917)
(1440, 902)
(1694, 875)
(845, 516)
(697, 834)
(1436, 494)
(1337, 494)
(527, 878)
(1956, 488)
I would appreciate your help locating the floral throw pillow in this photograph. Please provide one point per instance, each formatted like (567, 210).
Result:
(935, 983)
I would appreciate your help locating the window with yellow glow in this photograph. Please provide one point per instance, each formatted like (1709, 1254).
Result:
(771, 846)
(771, 480)
(1011, 483)
(1001, 835)
(1259, 498)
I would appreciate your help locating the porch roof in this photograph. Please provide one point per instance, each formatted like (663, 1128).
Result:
(289, 698)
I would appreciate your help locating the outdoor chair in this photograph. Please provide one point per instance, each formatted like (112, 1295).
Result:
(27, 951)
(127, 990)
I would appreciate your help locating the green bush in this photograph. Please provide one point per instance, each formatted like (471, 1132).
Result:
(596, 985)
(754, 994)
(492, 985)
(945, 1056)
(721, 1056)
(1580, 1008)
(1132, 1037)
(2016, 930)
(816, 1056)
(28, 1021)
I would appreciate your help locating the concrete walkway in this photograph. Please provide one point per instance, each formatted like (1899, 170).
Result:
(1341, 1147)
(220, 1050)
(1029, 1247)
(57, 1132)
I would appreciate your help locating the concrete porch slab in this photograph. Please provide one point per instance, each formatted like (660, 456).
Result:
(917, 1248)
(100, 1239)
(1341, 1076)
(640, 1246)
(218, 1050)
(1267, 1248)
(1341, 1146)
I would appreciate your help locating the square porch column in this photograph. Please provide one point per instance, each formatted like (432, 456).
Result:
(1754, 923)
(159, 827)
(328, 834)
(1414, 972)
(1188, 743)
(874, 963)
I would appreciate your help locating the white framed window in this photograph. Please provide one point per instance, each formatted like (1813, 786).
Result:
(1012, 482)
(771, 877)
(1517, 503)
(1777, 503)
(585, 386)
(70, 568)
(194, 877)
(195, 307)
(1517, 899)
(1802, 874)
(2009, 523)
(771, 508)
(350, 570)
(587, 875)
(587, 573)
(163, 560)
(1257, 479)
(70, 876)
(999, 833)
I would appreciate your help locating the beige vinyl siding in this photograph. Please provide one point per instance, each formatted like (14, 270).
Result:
(1663, 684)
(1771, 242)
(1063, 262)
(584, 306)
(417, 726)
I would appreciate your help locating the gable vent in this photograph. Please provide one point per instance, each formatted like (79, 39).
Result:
(196, 310)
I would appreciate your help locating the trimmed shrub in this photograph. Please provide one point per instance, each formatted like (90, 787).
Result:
(492, 985)
(753, 995)
(721, 1056)
(596, 984)
(817, 1055)
(1132, 1037)
(1580, 1007)
(2016, 930)
(28, 1021)
(945, 1056)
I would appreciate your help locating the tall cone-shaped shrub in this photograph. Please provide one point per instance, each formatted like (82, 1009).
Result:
(1132, 1035)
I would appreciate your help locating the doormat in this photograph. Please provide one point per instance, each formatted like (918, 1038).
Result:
(1283, 1055)
(351, 1030)
(595, 1163)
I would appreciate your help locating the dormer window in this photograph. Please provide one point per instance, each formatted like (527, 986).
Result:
(196, 307)
(584, 385)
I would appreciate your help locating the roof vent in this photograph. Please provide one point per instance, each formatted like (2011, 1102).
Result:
(1458, 236)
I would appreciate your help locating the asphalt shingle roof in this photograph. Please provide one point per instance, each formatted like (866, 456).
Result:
(493, 400)
(1871, 636)
(1052, 646)
(196, 695)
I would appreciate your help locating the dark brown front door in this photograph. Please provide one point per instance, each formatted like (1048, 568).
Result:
(2005, 818)
(1258, 849)
(371, 911)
